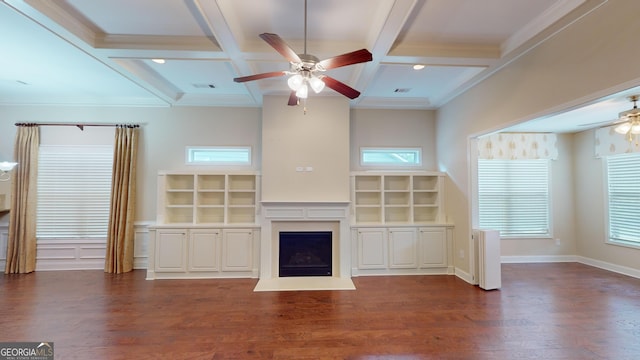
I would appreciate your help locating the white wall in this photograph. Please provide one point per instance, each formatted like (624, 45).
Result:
(316, 141)
(388, 128)
(579, 64)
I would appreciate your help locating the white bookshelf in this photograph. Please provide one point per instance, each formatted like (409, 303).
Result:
(206, 226)
(207, 198)
(397, 198)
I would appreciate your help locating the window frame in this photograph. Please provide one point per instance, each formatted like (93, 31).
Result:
(190, 149)
(549, 204)
(391, 165)
(607, 203)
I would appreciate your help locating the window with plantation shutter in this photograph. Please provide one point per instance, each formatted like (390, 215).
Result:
(513, 197)
(623, 183)
(74, 187)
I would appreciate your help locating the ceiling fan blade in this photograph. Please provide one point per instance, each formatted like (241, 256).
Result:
(602, 123)
(340, 87)
(260, 76)
(355, 57)
(293, 99)
(277, 43)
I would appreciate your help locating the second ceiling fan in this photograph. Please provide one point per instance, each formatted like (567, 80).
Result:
(307, 71)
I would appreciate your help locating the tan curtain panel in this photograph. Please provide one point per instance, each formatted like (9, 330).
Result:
(21, 244)
(518, 146)
(608, 142)
(120, 236)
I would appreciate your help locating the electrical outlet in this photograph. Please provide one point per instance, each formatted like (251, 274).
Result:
(558, 242)
(461, 253)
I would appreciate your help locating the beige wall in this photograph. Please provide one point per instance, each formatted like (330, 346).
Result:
(316, 141)
(590, 200)
(166, 131)
(408, 128)
(164, 135)
(577, 64)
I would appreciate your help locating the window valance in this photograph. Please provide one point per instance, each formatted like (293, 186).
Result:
(608, 142)
(518, 146)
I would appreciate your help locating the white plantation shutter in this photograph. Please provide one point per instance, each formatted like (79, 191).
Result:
(623, 177)
(513, 197)
(74, 187)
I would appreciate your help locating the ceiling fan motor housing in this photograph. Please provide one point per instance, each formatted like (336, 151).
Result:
(308, 63)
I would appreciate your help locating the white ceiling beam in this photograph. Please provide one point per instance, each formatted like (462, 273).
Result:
(387, 35)
(218, 25)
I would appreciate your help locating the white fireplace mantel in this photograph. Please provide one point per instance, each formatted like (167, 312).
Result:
(278, 216)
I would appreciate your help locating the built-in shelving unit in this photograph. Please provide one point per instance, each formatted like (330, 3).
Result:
(206, 226)
(397, 198)
(399, 225)
(207, 198)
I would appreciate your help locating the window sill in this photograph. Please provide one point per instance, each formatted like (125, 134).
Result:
(624, 244)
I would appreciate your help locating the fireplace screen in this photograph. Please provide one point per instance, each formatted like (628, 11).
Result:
(305, 253)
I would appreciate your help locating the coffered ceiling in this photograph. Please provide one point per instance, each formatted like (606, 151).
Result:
(99, 52)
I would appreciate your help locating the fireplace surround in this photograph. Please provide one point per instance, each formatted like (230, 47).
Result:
(305, 217)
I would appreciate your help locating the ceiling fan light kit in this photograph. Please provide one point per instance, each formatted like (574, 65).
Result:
(307, 70)
(630, 120)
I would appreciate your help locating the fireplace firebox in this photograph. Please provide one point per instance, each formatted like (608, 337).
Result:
(305, 253)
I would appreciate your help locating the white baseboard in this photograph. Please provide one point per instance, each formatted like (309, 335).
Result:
(537, 259)
(624, 270)
(140, 262)
(464, 276)
(65, 264)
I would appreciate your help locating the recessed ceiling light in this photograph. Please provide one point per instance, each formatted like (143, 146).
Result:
(418, 67)
(158, 61)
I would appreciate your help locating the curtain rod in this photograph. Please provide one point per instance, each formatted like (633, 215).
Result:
(80, 126)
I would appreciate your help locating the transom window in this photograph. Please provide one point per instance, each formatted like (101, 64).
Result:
(391, 157)
(513, 197)
(219, 155)
(623, 185)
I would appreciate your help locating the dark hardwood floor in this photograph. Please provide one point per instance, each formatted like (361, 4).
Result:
(543, 311)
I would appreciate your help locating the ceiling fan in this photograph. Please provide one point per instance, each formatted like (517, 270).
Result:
(627, 123)
(307, 71)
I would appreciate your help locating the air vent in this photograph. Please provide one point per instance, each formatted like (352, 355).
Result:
(204, 86)
(402, 90)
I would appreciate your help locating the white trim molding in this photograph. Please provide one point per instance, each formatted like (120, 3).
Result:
(624, 270)
(537, 259)
(73, 254)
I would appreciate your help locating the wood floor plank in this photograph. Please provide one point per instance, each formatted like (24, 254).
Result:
(543, 311)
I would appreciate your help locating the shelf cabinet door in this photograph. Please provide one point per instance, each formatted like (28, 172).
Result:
(171, 250)
(237, 249)
(403, 248)
(203, 250)
(372, 249)
(433, 247)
